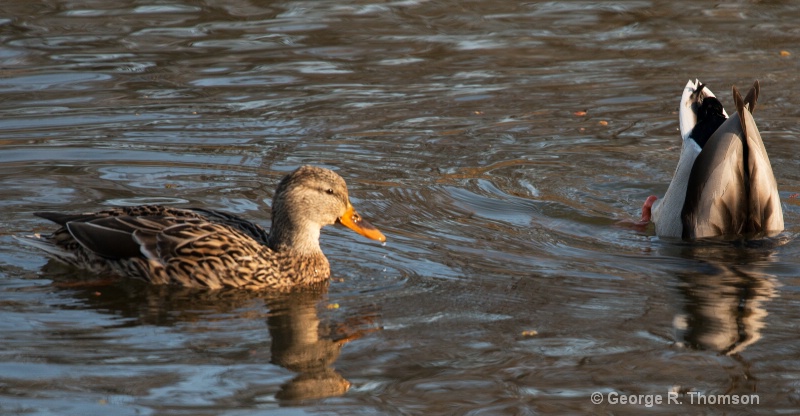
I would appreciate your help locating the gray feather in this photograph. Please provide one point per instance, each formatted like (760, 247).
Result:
(732, 189)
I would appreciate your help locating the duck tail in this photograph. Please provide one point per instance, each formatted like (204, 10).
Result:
(47, 246)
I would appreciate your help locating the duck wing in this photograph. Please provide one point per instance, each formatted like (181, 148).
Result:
(185, 251)
(199, 253)
(133, 217)
(765, 213)
(247, 227)
(192, 247)
(715, 201)
(113, 237)
(731, 188)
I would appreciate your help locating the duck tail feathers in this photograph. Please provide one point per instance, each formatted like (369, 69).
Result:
(46, 246)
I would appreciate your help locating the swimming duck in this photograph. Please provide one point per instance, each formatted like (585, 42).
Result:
(723, 185)
(212, 249)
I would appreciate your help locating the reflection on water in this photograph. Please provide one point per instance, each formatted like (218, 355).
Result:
(300, 340)
(726, 294)
(300, 344)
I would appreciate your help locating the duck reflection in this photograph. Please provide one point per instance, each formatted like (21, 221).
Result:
(725, 296)
(301, 341)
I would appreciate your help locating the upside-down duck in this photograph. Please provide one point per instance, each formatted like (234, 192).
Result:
(723, 185)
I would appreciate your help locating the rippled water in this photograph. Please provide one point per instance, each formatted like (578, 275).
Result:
(505, 286)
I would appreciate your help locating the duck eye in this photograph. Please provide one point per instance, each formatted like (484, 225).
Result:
(329, 191)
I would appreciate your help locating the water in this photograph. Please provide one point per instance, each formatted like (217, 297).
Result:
(505, 286)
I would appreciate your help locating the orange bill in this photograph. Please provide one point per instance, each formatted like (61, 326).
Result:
(353, 221)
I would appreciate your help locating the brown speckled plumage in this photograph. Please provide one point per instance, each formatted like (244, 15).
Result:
(206, 248)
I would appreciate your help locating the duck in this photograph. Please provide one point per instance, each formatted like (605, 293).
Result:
(723, 185)
(204, 248)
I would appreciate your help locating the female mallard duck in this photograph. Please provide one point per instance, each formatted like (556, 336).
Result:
(723, 184)
(212, 249)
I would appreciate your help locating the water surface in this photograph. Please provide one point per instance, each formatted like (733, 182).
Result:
(496, 144)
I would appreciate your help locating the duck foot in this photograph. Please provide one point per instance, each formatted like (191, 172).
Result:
(646, 216)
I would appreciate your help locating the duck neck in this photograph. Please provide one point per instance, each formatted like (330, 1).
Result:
(298, 237)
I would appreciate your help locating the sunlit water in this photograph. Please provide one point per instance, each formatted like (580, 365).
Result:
(496, 144)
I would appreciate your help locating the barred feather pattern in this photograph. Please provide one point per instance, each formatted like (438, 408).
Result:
(212, 249)
(216, 255)
(192, 248)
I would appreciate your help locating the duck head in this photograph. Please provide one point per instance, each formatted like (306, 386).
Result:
(308, 199)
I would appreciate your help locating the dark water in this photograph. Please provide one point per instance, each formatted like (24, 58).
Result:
(505, 286)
